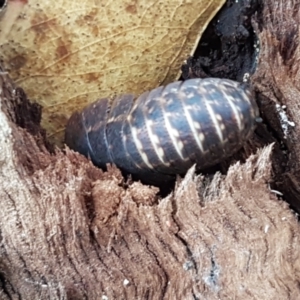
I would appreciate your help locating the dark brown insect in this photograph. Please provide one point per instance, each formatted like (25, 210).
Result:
(167, 130)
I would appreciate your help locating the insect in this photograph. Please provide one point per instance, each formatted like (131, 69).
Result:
(165, 131)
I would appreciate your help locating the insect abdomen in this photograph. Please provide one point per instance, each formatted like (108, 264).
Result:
(167, 130)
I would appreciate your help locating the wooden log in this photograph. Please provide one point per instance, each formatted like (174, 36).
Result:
(70, 231)
(277, 81)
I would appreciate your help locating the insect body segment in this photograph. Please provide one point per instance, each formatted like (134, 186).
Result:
(167, 130)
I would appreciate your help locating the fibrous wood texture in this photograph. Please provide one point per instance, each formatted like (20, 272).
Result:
(277, 81)
(70, 231)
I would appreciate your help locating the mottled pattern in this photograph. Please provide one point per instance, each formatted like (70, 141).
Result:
(167, 130)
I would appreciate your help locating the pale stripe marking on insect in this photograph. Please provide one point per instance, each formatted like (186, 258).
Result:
(139, 146)
(155, 142)
(235, 111)
(199, 137)
(173, 134)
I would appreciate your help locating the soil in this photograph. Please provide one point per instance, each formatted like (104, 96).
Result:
(227, 47)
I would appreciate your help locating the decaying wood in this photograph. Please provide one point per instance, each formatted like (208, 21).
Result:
(70, 231)
(277, 81)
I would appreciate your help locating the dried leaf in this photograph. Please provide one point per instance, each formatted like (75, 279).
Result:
(66, 54)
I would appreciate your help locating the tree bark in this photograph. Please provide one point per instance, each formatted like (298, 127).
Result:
(277, 81)
(70, 231)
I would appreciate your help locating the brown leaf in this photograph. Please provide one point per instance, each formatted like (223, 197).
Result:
(66, 54)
